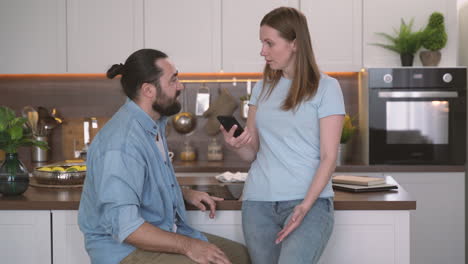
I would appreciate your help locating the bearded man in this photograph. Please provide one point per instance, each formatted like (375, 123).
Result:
(132, 208)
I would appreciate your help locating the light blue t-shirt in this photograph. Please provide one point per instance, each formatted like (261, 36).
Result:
(289, 150)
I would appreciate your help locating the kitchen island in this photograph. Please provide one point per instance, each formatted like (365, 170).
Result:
(38, 198)
(41, 225)
(439, 221)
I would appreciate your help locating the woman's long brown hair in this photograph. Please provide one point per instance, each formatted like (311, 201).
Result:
(292, 25)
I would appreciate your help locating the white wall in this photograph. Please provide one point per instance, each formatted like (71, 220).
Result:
(463, 32)
(463, 61)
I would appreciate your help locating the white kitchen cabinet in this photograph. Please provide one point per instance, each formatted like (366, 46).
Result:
(188, 31)
(240, 33)
(361, 237)
(33, 36)
(335, 30)
(25, 237)
(369, 237)
(438, 223)
(68, 241)
(85, 36)
(336, 33)
(227, 224)
(384, 16)
(102, 33)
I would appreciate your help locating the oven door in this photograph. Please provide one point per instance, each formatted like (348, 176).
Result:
(417, 127)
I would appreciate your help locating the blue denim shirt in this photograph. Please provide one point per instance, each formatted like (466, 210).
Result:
(127, 183)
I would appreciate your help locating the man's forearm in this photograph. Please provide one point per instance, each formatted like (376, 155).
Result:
(151, 238)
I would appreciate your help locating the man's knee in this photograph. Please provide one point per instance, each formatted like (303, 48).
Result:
(236, 252)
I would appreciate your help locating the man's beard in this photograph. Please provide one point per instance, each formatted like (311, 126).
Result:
(166, 106)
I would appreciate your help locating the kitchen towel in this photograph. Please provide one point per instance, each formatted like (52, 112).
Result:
(231, 177)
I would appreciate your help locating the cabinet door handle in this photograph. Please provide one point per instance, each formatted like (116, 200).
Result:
(419, 94)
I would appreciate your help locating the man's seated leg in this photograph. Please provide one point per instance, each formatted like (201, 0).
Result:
(140, 256)
(236, 252)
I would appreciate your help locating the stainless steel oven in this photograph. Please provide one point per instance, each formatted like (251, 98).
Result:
(414, 115)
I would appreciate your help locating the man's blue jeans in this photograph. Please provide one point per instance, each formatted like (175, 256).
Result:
(263, 220)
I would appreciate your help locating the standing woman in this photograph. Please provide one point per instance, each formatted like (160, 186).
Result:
(293, 131)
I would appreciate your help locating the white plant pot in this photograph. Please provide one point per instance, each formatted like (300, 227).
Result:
(341, 157)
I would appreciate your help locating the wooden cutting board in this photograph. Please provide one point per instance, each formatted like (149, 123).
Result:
(73, 134)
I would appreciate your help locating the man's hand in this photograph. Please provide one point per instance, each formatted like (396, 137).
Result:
(205, 253)
(151, 238)
(199, 199)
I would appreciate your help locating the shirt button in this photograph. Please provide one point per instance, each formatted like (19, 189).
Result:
(172, 185)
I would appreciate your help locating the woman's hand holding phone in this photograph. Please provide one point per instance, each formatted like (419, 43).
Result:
(241, 141)
(236, 142)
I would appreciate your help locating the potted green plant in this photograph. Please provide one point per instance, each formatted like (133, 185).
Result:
(14, 177)
(346, 133)
(405, 42)
(433, 40)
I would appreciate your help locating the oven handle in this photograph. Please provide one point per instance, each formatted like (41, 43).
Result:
(420, 94)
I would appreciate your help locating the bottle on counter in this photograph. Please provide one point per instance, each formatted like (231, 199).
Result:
(215, 150)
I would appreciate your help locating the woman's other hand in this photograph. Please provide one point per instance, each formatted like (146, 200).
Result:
(294, 221)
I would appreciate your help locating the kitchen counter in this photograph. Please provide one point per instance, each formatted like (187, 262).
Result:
(368, 226)
(38, 198)
(233, 166)
(242, 166)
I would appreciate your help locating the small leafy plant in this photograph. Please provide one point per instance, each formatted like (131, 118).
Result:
(434, 35)
(405, 40)
(348, 130)
(14, 133)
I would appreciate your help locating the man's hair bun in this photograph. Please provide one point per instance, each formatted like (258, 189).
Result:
(115, 70)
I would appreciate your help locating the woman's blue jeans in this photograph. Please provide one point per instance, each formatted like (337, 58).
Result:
(262, 221)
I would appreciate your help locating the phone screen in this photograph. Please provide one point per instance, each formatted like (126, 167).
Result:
(228, 122)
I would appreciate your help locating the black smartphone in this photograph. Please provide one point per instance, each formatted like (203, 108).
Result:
(228, 122)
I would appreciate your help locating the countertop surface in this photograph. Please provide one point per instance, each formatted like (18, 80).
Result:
(242, 166)
(233, 166)
(41, 198)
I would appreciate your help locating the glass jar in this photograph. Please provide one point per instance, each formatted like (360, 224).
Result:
(188, 153)
(14, 177)
(215, 150)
